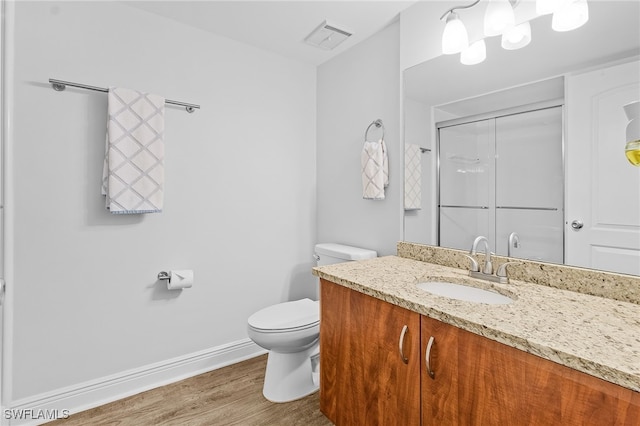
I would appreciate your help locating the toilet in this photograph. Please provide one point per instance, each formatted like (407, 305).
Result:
(290, 331)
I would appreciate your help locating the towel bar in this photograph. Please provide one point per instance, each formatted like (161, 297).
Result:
(378, 124)
(60, 85)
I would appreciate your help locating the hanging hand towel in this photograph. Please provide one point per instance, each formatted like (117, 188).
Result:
(412, 177)
(375, 170)
(385, 163)
(133, 174)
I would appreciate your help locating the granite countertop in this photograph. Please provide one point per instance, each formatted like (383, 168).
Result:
(596, 335)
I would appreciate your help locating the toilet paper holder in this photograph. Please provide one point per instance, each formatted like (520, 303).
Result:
(177, 279)
(164, 276)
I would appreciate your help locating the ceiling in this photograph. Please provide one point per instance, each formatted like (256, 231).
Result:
(281, 26)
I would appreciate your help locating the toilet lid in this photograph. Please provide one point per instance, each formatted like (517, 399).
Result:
(287, 315)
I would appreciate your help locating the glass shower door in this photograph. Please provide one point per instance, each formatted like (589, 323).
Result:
(465, 183)
(503, 175)
(530, 184)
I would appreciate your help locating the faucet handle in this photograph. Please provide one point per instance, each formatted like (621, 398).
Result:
(488, 266)
(502, 269)
(474, 264)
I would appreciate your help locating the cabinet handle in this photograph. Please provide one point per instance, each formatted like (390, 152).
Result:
(427, 357)
(402, 333)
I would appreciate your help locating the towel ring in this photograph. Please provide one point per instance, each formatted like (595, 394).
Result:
(378, 124)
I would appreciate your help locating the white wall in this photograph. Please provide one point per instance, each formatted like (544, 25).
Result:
(421, 32)
(240, 200)
(354, 89)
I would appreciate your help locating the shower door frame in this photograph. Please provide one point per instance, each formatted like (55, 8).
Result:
(553, 103)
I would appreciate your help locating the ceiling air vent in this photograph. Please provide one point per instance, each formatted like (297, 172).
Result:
(327, 36)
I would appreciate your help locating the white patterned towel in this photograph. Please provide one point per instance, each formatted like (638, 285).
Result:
(412, 177)
(375, 170)
(133, 174)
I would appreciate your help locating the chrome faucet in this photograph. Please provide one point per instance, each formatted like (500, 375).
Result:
(514, 241)
(487, 270)
(488, 266)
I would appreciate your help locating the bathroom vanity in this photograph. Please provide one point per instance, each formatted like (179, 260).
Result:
(392, 353)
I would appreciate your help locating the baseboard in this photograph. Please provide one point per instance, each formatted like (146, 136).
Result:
(73, 399)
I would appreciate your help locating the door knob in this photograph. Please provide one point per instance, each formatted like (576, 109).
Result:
(577, 224)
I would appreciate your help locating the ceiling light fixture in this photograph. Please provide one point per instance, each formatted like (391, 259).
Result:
(516, 36)
(475, 53)
(545, 7)
(499, 19)
(454, 37)
(327, 36)
(571, 14)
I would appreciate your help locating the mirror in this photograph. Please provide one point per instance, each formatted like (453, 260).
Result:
(443, 90)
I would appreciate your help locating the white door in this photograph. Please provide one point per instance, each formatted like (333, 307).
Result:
(603, 188)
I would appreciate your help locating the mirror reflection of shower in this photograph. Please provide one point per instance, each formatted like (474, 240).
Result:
(503, 177)
(555, 65)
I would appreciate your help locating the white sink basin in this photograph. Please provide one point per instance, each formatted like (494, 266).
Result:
(464, 292)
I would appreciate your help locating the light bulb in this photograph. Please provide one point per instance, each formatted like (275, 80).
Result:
(517, 36)
(474, 54)
(454, 37)
(570, 15)
(498, 16)
(513, 35)
(545, 7)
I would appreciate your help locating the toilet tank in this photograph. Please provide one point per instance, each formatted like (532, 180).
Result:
(330, 253)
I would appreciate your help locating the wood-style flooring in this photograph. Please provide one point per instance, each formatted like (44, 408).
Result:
(228, 396)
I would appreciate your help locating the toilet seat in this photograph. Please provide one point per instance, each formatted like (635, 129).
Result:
(285, 317)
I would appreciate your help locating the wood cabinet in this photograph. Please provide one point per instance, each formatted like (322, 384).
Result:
(363, 377)
(476, 381)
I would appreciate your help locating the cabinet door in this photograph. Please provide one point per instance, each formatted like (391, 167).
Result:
(482, 382)
(440, 392)
(471, 384)
(501, 385)
(363, 378)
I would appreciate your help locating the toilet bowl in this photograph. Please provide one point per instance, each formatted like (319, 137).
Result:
(290, 331)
